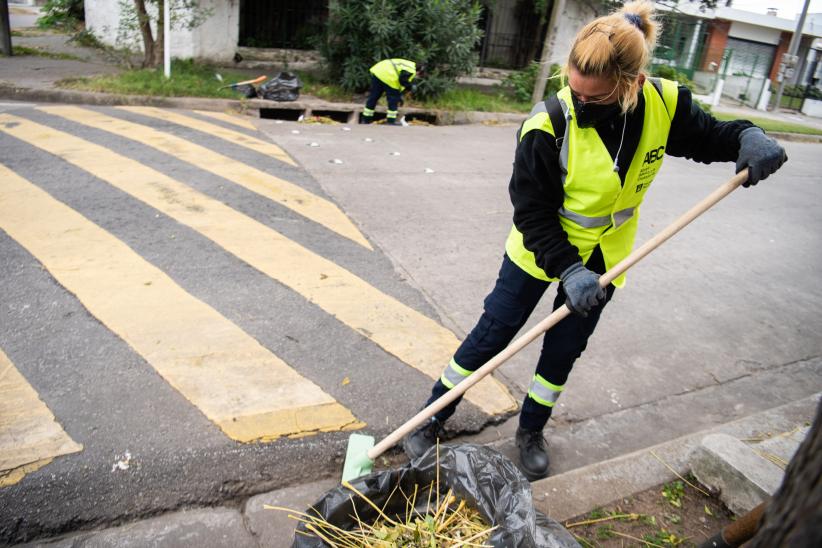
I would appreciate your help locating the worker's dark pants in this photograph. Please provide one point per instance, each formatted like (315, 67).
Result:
(393, 96)
(507, 308)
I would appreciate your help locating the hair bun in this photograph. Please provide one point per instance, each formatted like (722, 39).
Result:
(636, 21)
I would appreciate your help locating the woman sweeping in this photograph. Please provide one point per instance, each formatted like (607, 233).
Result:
(584, 161)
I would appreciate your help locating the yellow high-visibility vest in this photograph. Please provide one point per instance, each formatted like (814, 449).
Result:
(389, 70)
(598, 209)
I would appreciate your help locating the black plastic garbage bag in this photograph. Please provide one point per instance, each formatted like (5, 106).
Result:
(485, 479)
(246, 90)
(283, 87)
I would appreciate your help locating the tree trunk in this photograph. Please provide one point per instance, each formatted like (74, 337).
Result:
(159, 42)
(794, 515)
(557, 10)
(144, 21)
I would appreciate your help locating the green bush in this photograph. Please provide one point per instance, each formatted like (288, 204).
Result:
(440, 33)
(704, 106)
(800, 91)
(522, 82)
(670, 73)
(61, 14)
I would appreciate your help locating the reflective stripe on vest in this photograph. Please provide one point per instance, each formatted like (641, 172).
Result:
(453, 375)
(544, 392)
(599, 209)
(593, 222)
(388, 71)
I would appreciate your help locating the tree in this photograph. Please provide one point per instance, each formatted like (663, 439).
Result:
(147, 17)
(440, 33)
(794, 514)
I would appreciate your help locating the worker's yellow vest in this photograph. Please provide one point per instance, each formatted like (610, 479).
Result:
(389, 70)
(598, 209)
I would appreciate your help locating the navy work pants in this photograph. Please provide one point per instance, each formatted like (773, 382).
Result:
(507, 308)
(393, 96)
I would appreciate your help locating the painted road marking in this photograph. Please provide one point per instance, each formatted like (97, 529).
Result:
(278, 190)
(238, 120)
(400, 330)
(30, 437)
(258, 145)
(246, 390)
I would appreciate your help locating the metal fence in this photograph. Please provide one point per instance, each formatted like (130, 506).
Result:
(504, 50)
(746, 74)
(681, 44)
(292, 24)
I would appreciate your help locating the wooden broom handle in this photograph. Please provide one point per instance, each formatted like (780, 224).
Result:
(709, 201)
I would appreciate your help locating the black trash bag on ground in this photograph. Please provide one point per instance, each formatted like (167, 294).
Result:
(283, 87)
(246, 90)
(485, 479)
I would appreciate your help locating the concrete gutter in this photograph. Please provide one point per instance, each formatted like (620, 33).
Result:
(561, 497)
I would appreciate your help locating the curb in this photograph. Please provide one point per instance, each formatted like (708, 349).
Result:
(584, 489)
(795, 137)
(560, 497)
(290, 110)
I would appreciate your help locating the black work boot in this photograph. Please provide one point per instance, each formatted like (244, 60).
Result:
(532, 454)
(423, 438)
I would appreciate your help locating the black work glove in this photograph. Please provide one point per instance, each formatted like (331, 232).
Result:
(760, 154)
(582, 289)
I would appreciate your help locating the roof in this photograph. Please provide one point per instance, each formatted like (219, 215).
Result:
(812, 27)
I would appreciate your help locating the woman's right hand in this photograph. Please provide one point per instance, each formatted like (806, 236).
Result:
(582, 289)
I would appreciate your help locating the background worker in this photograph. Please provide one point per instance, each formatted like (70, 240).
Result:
(584, 160)
(392, 77)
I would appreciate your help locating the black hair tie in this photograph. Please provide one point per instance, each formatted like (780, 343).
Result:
(635, 20)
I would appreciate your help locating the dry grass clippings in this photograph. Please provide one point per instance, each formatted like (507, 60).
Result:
(446, 522)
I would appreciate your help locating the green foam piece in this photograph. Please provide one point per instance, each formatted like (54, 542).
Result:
(357, 462)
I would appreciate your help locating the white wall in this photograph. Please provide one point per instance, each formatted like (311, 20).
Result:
(745, 31)
(812, 107)
(103, 18)
(575, 16)
(215, 40)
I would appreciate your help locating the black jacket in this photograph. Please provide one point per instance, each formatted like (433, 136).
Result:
(536, 186)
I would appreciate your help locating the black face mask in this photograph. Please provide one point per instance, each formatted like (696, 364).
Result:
(592, 114)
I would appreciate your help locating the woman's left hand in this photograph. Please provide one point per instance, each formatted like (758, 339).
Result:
(760, 154)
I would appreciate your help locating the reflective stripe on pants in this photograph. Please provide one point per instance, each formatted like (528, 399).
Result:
(453, 374)
(544, 392)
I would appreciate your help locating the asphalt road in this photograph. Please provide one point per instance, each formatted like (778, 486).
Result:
(200, 320)
(721, 322)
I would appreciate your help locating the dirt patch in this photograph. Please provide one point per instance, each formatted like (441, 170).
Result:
(673, 514)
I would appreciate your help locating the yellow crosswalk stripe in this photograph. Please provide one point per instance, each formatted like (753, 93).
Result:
(400, 330)
(238, 384)
(257, 145)
(238, 120)
(30, 437)
(279, 190)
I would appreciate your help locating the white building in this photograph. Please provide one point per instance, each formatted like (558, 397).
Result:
(215, 39)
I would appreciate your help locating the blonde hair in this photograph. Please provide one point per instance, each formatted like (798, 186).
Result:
(617, 46)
